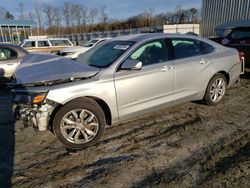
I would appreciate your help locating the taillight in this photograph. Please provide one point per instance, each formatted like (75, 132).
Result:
(242, 61)
(241, 56)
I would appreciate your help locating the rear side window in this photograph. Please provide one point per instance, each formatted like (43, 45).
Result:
(184, 48)
(7, 54)
(43, 43)
(60, 43)
(29, 44)
(151, 53)
(206, 48)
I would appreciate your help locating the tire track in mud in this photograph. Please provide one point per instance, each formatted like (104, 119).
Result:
(203, 164)
(99, 169)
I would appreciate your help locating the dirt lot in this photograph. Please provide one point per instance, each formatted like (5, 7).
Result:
(190, 145)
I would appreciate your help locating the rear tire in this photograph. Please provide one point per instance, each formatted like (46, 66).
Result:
(216, 89)
(80, 123)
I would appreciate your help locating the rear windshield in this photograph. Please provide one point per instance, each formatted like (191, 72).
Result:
(240, 33)
(105, 54)
(60, 43)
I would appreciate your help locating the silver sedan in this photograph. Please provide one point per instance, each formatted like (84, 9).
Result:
(10, 57)
(120, 79)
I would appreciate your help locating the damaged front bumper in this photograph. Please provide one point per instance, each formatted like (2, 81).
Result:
(36, 116)
(32, 106)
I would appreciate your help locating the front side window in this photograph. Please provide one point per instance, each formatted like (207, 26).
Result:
(43, 43)
(105, 54)
(7, 54)
(60, 43)
(30, 44)
(184, 48)
(151, 53)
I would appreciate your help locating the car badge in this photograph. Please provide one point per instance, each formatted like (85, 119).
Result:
(242, 42)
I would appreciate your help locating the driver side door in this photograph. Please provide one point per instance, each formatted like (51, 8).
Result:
(140, 90)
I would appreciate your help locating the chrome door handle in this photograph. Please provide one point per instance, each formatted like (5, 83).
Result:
(203, 61)
(166, 68)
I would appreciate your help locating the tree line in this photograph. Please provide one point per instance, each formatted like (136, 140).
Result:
(71, 18)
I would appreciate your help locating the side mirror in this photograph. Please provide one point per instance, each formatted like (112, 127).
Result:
(131, 64)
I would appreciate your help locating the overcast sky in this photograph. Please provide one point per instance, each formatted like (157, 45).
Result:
(118, 9)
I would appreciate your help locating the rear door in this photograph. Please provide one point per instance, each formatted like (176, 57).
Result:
(8, 62)
(191, 62)
(139, 90)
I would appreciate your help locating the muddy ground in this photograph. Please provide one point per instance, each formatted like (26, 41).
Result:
(190, 145)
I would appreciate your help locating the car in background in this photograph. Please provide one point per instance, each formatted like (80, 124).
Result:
(74, 52)
(10, 57)
(46, 45)
(120, 79)
(235, 34)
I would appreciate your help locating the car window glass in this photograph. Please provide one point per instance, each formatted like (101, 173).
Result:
(151, 53)
(185, 48)
(206, 48)
(43, 43)
(105, 54)
(60, 43)
(29, 44)
(6, 54)
(240, 33)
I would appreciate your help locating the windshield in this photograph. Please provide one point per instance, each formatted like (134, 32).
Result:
(105, 54)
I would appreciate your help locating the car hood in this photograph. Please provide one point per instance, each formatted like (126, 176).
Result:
(80, 49)
(40, 68)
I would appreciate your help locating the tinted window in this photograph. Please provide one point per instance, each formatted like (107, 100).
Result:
(185, 48)
(29, 44)
(105, 54)
(151, 53)
(206, 48)
(60, 43)
(240, 33)
(6, 54)
(44, 43)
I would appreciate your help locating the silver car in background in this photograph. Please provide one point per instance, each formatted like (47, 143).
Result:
(10, 57)
(120, 79)
(75, 51)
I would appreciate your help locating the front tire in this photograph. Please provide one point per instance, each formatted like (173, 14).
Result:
(80, 123)
(216, 89)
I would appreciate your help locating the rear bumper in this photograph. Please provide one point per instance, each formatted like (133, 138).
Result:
(234, 73)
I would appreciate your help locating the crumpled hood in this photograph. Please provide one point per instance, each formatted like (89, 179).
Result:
(37, 68)
(79, 49)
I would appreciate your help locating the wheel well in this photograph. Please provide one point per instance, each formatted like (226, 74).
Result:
(226, 75)
(102, 104)
(105, 109)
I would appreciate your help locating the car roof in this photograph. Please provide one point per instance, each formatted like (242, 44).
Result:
(146, 36)
(21, 51)
(233, 24)
(46, 39)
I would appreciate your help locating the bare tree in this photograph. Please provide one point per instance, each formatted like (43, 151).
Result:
(92, 15)
(3, 12)
(31, 15)
(58, 20)
(149, 14)
(84, 15)
(103, 15)
(67, 13)
(49, 12)
(38, 14)
(76, 12)
(21, 11)
(194, 14)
